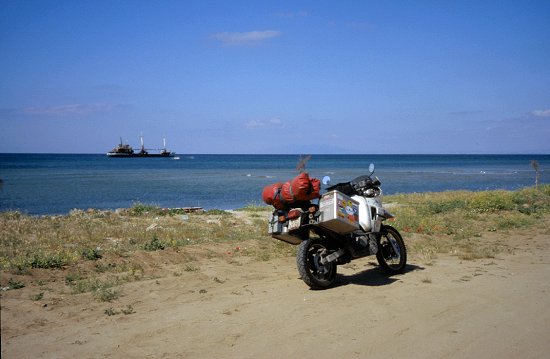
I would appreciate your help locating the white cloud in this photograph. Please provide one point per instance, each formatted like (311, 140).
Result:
(253, 124)
(249, 38)
(273, 122)
(63, 110)
(541, 113)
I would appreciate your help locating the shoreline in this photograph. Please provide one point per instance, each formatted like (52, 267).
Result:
(192, 209)
(454, 217)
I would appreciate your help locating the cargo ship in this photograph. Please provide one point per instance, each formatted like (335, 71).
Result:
(126, 151)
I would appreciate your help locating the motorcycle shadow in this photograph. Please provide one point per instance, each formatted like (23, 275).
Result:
(373, 277)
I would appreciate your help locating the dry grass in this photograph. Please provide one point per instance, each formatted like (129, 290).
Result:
(60, 241)
(458, 222)
(96, 251)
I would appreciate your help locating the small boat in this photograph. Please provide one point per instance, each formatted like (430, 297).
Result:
(126, 151)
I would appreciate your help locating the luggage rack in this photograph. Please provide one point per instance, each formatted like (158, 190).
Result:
(291, 226)
(335, 212)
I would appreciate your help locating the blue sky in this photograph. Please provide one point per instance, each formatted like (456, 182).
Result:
(276, 76)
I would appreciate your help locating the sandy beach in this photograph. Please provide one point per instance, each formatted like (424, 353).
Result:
(240, 307)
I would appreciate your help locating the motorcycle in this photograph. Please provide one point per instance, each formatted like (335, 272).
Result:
(345, 224)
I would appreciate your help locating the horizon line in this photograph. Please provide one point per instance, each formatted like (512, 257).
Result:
(306, 154)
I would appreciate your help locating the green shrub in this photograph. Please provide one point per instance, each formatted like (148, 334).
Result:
(492, 201)
(514, 220)
(102, 289)
(216, 212)
(37, 297)
(442, 206)
(140, 209)
(15, 284)
(154, 245)
(533, 200)
(106, 294)
(253, 207)
(46, 261)
(104, 267)
(110, 312)
(92, 254)
(128, 310)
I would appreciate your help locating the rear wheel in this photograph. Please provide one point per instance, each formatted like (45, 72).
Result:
(308, 259)
(392, 254)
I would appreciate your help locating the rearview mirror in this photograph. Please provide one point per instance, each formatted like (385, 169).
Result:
(371, 168)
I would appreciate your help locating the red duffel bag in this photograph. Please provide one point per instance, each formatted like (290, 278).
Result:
(301, 188)
(272, 195)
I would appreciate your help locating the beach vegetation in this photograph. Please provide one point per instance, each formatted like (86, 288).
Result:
(102, 289)
(107, 294)
(191, 268)
(458, 222)
(154, 244)
(140, 209)
(255, 207)
(92, 254)
(111, 311)
(215, 212)
(73, 277)
(491, 201)
(37, 297)
(47, 260)
(96, 251)
(15, 284)
(128, 310)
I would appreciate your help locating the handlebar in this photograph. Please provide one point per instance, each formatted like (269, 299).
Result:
(357, 185)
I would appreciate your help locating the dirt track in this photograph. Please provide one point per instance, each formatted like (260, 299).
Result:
(490, 308)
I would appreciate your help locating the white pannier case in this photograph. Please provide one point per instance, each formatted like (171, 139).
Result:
(339, 213)
(281, 231)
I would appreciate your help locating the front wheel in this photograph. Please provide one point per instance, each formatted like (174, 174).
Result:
(392, 254)
(308, 259)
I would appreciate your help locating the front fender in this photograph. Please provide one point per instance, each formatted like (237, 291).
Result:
(385, 214)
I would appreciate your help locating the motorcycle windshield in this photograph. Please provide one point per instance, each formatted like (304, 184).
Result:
(360, 179)
(344, 187)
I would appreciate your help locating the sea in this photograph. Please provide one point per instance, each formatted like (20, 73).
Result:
(45, 184)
